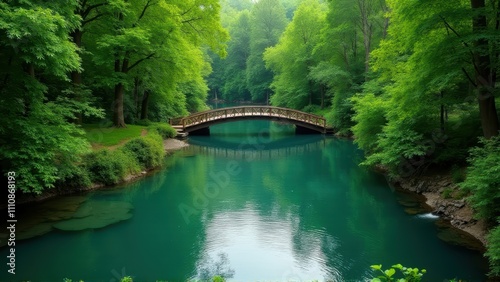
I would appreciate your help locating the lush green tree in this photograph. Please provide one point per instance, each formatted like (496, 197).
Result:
(144, 31)
(292, 58)
(37, 140)
(235, 87)
(268, 18)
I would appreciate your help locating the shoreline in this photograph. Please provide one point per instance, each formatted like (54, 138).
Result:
(170, 145)
(431, 186)
(457, 212)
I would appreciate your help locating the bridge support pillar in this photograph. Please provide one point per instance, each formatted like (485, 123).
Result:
(205, 131)
(300, 130)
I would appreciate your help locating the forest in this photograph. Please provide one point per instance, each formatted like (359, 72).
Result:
(414, 83)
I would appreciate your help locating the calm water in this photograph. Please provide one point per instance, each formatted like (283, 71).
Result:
(252, 201)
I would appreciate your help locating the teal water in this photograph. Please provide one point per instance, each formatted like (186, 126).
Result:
(252, 201)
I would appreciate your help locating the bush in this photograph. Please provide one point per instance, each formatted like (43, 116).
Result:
(110, 167)
(147, 150)
(369, 120)
(163, 129)
(341, 112)
(493, 252)
(75, 176)
(144, 122)
(483, 179)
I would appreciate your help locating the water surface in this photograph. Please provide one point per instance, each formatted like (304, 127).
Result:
(254, 202)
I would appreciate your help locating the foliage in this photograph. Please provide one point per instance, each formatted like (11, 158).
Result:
(37, 141)
(291, 59)
(110, 167)
(493, 252)
(483, 179)
(163, 129)
(147, 150)
(369, 120)
(268, 20)
(408, 274)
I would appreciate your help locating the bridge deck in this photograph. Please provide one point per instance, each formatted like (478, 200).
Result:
(204, 119)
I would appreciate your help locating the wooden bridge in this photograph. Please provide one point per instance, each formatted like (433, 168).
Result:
(199, 123)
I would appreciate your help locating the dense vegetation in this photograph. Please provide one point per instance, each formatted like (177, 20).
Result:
(64, 63)
(414, 82)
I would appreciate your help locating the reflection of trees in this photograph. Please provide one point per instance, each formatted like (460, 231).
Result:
(207, 268)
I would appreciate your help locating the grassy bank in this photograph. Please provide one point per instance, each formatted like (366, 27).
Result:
(118, 153)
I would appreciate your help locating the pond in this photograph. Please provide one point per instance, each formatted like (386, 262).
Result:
(252, 202)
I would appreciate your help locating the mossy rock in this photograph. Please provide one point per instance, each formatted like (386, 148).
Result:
(97, 214)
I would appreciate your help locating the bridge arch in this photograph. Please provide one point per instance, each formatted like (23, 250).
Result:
(199, 123)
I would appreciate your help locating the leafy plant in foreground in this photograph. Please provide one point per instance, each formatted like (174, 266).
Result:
(409, 274)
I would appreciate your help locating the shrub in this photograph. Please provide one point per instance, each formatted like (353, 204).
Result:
(74, 176)
(483, 179)
(163, 129)
(147, 150)
(447, 193)
(493, 252)
(109, 167)
(369, 120)
(144, 122)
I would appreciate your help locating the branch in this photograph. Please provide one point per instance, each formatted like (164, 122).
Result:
(463, 42)
(148, 4)
(90, 8)
(92, 19)
(187, 11)
(140, 61)
(468, 76)
(191, 20)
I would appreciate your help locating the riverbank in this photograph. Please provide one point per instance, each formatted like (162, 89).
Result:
(170, 145)
(442, 196)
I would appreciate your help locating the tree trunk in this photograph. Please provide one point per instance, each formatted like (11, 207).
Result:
(442, 115)
(76, 75)
(366, 28)
(136, 96)
(483, 74)
(118, 118)
(322, 89)
(145, 103)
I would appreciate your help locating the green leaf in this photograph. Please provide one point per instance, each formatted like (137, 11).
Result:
(390, 272)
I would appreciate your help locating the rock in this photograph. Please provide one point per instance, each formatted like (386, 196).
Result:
(97, 214)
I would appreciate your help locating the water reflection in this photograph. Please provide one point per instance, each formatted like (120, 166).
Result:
(301, 215)
(272, 246)
(209, 267)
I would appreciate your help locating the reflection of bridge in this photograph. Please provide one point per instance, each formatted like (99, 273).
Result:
(199, 123)
(258, 151)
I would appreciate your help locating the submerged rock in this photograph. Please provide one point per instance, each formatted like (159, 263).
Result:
(38, 219)
(97, 214)
(458, 237)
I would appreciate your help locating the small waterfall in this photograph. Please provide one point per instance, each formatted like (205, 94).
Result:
(428, 216)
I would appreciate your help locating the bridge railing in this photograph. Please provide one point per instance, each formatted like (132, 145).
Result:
(245, 111)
